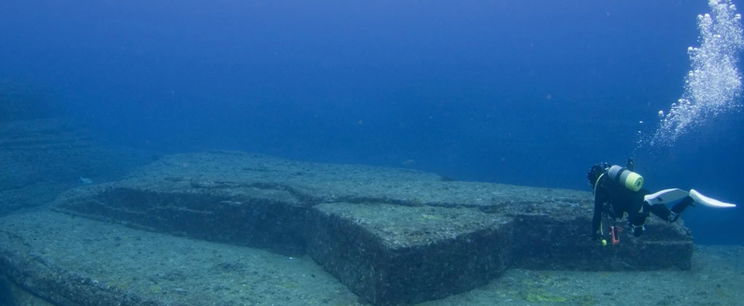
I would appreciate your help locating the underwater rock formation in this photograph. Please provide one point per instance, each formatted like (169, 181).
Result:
(22, 102)
(42, 157)
(390, 235)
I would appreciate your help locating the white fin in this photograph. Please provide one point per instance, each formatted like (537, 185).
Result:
(665, 196)
(700, 198)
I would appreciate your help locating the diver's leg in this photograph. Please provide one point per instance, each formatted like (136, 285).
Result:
(678, 208)
(661, 211)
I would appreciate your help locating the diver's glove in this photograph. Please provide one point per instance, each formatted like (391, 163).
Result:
(637, 229)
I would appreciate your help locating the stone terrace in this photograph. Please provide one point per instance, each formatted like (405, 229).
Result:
(392, 236)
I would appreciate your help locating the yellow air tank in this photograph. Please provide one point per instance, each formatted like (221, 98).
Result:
(629, 179)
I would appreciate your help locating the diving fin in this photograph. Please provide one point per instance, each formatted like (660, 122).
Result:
(700, 198)
(665, 196)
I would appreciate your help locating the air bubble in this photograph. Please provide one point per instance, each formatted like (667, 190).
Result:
(713, 83)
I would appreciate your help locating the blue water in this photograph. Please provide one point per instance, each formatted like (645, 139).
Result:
(522, 92)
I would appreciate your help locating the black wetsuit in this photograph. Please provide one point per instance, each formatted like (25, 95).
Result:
(617, 201)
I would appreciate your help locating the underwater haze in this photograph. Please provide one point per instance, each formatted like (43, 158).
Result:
(519, 92)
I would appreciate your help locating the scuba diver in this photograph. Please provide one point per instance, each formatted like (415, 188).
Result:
(618, 193)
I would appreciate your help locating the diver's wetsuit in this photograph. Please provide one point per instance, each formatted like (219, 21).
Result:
(616, 200)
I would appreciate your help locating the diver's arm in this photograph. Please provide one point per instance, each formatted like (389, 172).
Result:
(599, 200)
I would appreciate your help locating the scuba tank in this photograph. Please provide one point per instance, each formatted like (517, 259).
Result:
(625, 177)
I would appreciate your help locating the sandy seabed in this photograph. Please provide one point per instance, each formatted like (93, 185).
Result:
(181, 271)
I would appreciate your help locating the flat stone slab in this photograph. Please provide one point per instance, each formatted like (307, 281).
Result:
(75, 261)
(391, 235)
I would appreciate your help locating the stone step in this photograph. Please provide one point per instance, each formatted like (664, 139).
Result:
(74, 261)
(392, 254)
